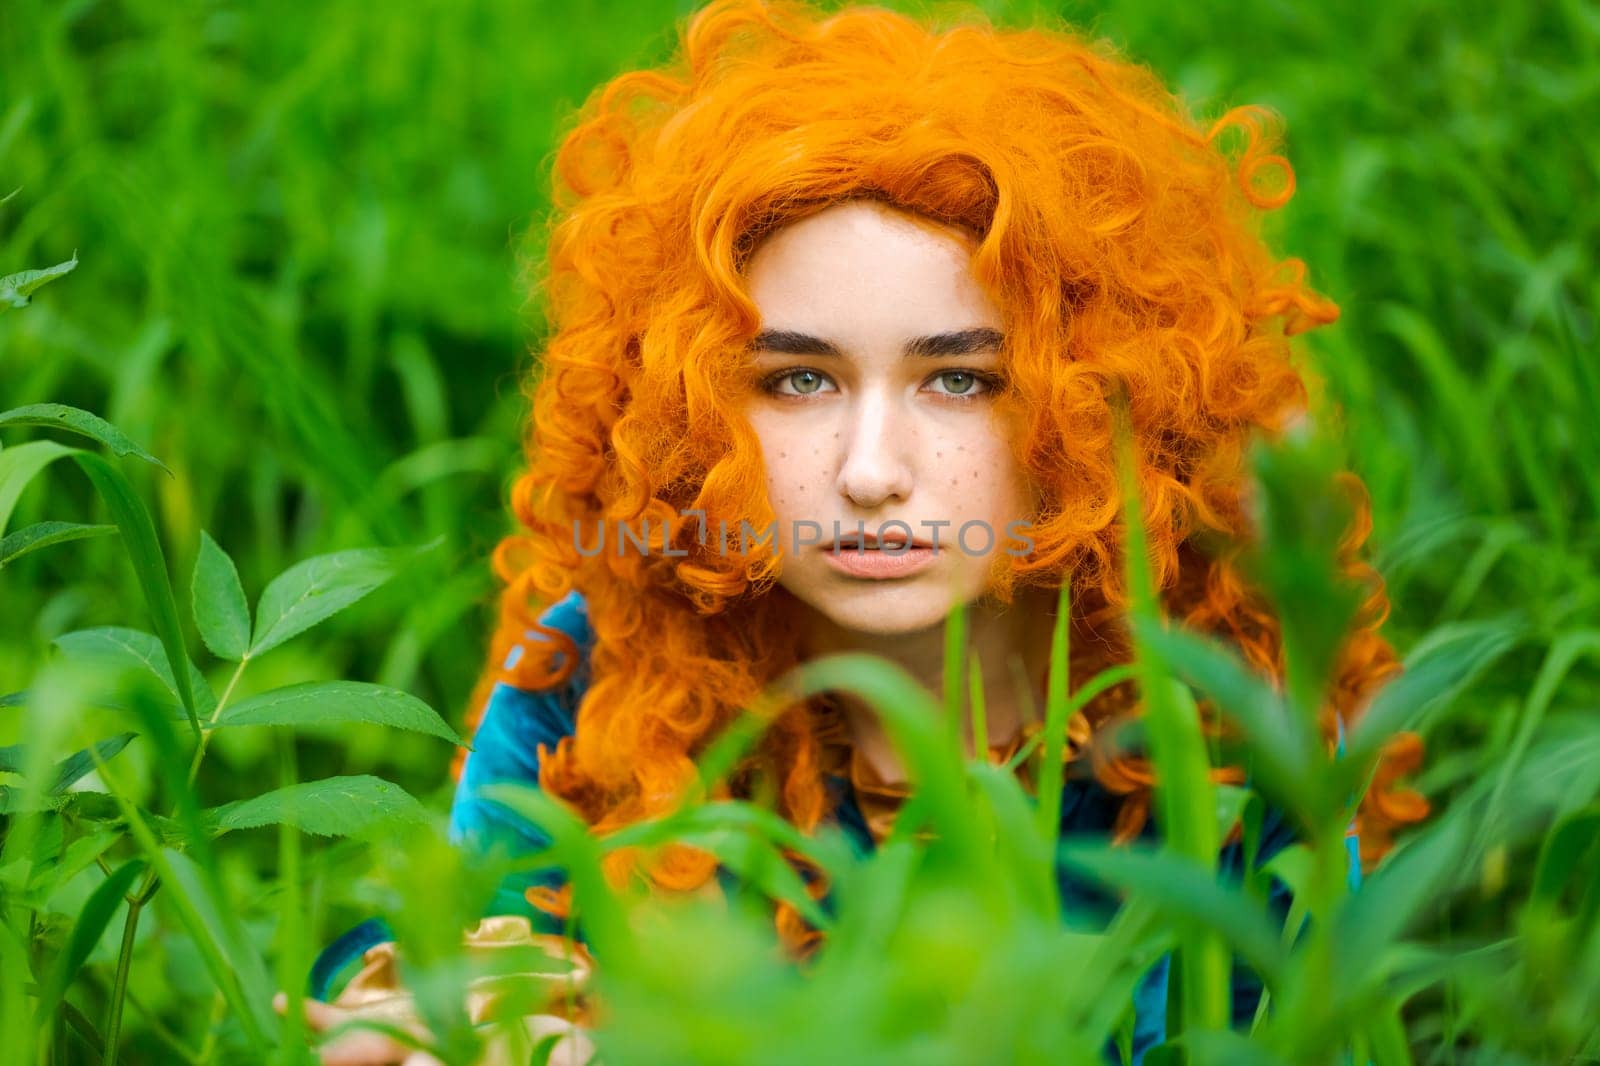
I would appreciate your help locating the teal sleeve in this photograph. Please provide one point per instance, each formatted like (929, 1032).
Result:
(505, 748)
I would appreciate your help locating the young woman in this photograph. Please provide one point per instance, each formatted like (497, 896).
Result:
(838, 304)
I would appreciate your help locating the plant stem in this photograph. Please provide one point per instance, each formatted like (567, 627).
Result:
(209, 1045)
(150, 884)
(119, 984)
(205, 735)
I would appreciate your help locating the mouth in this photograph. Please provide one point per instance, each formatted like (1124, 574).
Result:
(891, 540)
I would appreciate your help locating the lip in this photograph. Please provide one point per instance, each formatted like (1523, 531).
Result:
(880, 565)
(851, 542)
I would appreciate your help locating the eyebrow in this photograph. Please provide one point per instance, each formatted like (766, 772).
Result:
(935, 346)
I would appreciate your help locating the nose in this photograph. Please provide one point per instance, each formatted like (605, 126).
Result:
(878, 440)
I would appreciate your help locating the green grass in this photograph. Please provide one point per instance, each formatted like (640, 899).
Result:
(297, 244)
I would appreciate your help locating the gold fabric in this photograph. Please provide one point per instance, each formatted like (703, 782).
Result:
(376, 991)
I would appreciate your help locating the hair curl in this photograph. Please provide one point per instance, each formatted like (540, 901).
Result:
(1118, 238)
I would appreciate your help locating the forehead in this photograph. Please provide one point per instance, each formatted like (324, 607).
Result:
(868, 275)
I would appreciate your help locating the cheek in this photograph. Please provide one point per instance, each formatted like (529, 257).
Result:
(792, 469)
(985, 480)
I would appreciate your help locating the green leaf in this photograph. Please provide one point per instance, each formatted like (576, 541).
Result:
(1435, 671)
(135, 648)
(76, 420)
(78, 856)
(327, 702)
(728, 817)
(1218, 1046)
(1303, 516)
(1565, 850)
(43, 534)
(86, 933)
(13, 759)
(226, 950)
(1293, 866)
(1025, 855)
(760, 864)
(1231, 802)
(336, 806)
(317, 588)
(1416, 876)
(16, 289)
(139, 536)
(1277, 740)
(1187, 891)
(76, 766)
(221, 613)
(84, 805)
(20, 465)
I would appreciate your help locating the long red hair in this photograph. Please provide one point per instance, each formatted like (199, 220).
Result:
(1118, 237)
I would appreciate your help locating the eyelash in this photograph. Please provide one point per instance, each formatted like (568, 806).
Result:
(991, 383)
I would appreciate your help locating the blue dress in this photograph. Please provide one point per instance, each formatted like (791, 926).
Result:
(516, 721)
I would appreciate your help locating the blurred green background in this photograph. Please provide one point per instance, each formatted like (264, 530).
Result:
(300, 231)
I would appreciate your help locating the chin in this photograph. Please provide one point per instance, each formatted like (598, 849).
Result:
(880, 608)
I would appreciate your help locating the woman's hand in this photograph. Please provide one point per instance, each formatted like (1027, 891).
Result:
(360, 1047)
(378, 993)
(366, 1047)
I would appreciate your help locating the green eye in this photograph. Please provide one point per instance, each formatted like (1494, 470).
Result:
(814, 378)
(963, 383)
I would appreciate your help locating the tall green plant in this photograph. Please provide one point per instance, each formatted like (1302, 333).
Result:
(54, 828)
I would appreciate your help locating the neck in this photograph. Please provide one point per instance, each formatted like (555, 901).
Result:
(1012, 646)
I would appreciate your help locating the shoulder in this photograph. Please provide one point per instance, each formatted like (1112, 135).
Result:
(515, 720)
(570, 615)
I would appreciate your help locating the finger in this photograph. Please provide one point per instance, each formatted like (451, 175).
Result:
(319, 1015)
(362, 1048)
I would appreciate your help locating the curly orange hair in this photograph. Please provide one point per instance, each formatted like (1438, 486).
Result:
(1119, 239)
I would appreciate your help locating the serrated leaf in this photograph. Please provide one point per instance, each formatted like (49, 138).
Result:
(15, 289)
(337, 806)
(328, 702)
(315, 589)
(221, 613)
(19, 466)
(135, 648)
(84, 423)
(43, 534)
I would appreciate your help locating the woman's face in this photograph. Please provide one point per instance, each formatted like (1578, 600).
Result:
(877, 366)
